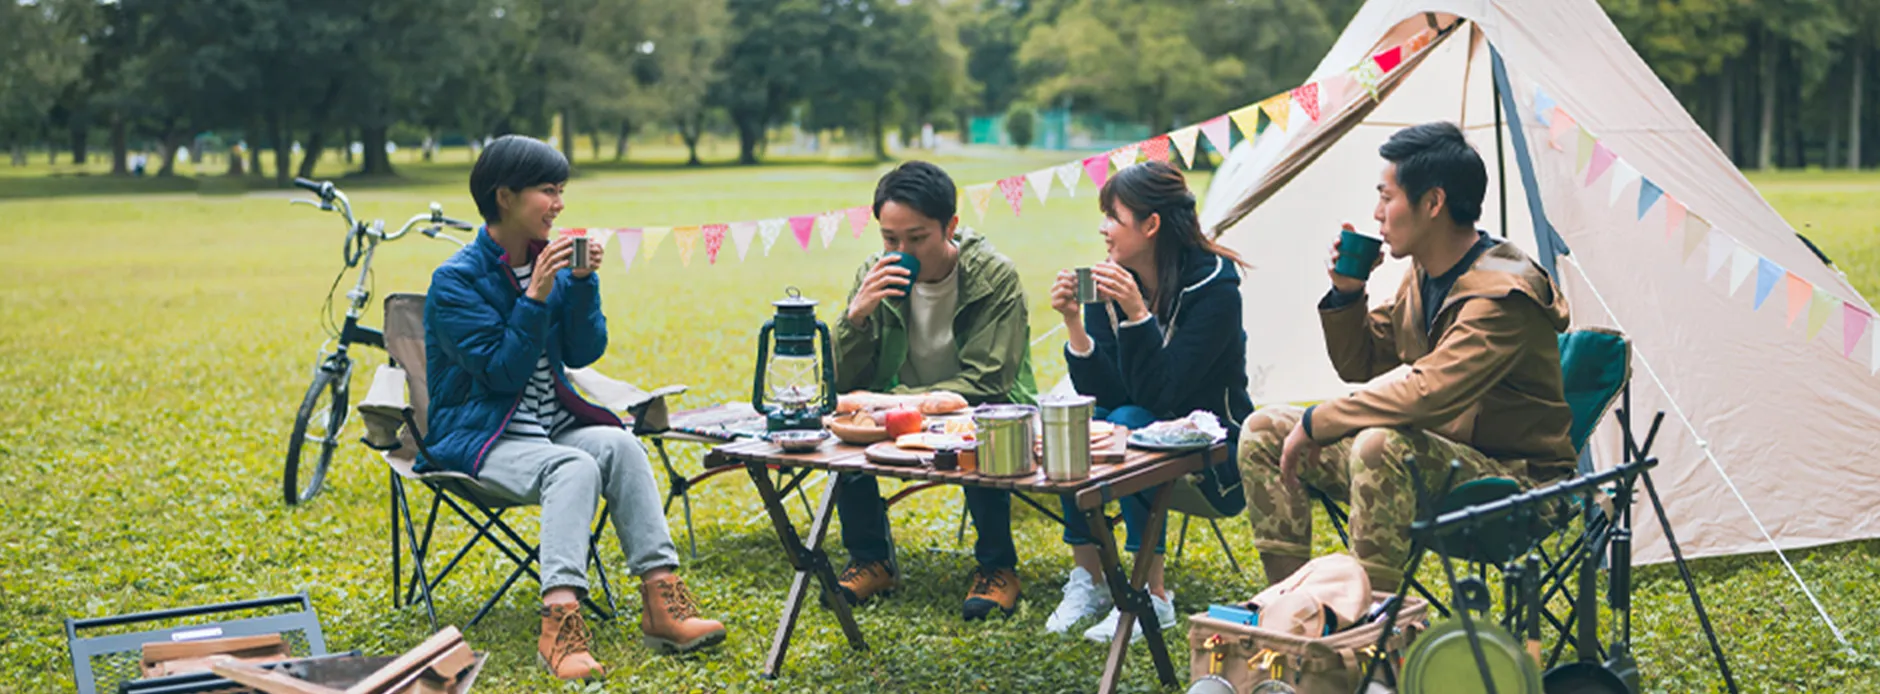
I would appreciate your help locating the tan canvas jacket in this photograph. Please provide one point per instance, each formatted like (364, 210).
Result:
(1486, 375)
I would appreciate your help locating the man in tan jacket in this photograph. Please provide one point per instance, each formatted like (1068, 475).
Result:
(1476, 321)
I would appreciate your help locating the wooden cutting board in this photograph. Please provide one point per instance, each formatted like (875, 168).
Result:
(1107, 452)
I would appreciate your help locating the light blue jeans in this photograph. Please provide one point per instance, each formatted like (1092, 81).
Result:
(567, 475)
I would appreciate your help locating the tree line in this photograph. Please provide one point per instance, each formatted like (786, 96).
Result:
(1778, 83)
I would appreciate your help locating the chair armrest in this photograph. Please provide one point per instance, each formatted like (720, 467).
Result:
(615, 394)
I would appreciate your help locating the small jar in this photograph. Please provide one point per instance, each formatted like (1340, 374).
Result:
(969, 457)
(946, 459)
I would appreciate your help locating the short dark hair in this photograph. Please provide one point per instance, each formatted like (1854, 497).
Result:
(1436, 155)
(514, 162)
(922, 186)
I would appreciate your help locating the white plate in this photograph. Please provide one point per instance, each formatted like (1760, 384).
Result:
(1138, 442)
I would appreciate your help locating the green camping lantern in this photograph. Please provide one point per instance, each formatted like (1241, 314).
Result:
(794, 385)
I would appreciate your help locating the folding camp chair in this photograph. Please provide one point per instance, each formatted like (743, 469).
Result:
(404, 341)
(102, 664)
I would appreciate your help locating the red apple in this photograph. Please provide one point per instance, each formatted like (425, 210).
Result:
(903, 421)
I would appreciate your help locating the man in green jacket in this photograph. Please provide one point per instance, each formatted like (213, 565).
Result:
(959, 326)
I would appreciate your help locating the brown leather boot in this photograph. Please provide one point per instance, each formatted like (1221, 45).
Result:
(670, 620)
(992, 588)
(563, 646)
(859, 582)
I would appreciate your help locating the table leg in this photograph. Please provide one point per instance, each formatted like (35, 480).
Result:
(808, 558)
(1131, 595)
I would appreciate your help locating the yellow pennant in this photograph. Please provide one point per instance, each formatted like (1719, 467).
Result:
(1278, 109)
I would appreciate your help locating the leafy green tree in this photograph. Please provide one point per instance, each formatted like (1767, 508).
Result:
(1021, 123)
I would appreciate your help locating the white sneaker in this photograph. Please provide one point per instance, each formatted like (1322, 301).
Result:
(1164, 616)
(1083, 599)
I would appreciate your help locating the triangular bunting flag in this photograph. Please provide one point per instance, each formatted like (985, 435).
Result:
(981, 197)
(650, 239)
(1247, 119)
(741, 235)
(1368, 76)
(714, 241)
(1648, 194)
(629, 247)
(1335, 92)
(1042, 181)
(1622, 177)
(1543, 107)
(601, 236)
(1219, 135)
(1721, 245)
(1184, 141)
(1070, 174)
(1124, 157)
(1278, 109)
(1307, 96)
(1420, 41)
(1588, 146)
(1014, 190)
(770, 230)
(1694, 230)
(858, 218)
(1743, 263)
(1390, 59)
(1819, 310)
(1853, 323)
(1098, 167)
(1155, 149)
(802, 226)
(1674, 215)
(687, 239)
(1767, 274)
(1800, 293)
(1561, 125)
(827, 225)
(1602, 161)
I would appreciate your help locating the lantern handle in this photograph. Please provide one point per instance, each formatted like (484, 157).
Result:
(763, 355)
(828, 369)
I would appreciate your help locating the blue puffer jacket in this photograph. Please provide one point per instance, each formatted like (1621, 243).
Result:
(482, 338)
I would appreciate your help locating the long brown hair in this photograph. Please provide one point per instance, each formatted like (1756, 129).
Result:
(1155, 188)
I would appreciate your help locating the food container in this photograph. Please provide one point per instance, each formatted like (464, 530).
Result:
(1005, 440)
(1067, 437)
(798, 440)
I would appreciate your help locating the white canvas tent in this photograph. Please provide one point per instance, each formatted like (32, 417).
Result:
(1769, 436)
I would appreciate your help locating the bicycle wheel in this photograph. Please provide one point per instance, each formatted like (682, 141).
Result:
(316, 434)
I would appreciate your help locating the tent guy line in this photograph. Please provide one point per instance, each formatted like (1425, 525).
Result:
(1704, 446)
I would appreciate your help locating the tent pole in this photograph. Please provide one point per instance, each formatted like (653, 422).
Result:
(1548, 242)
(1501, 162)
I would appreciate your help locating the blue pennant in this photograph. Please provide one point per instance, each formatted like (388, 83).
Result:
(1648, 194)
(1543, 107)
(1767, 275)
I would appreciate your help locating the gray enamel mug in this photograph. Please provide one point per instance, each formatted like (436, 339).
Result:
(1067, 437)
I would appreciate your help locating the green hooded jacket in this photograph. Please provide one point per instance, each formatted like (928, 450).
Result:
(990, 326)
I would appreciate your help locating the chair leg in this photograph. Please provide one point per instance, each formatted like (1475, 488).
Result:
(600, 568)
(391, 516)
(680, 488)
(417, 557)
(1181, 539)
(1225, 549)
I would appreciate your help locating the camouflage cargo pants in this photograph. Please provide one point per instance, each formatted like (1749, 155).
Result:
(1370, 471)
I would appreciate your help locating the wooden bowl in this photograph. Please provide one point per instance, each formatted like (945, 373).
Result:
(856, 429)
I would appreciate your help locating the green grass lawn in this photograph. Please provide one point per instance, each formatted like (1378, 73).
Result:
(157, 342)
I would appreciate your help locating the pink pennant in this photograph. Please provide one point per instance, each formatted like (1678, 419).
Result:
(1853, 322)
(1014, 190)
(1389, 60)
(565, 233)
(1307, 96)
(1098, 168)
(1561, 125)
(858, 218)
(1800, 293)
(1674, 215)
(714, 240)
(802, 226)
(1602, 160)
(1156, 148)
(629, 246)
(1217, 132)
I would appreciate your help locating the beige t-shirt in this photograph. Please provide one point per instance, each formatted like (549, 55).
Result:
(932, 356)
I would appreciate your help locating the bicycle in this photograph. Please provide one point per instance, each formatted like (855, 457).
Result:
(323, 410)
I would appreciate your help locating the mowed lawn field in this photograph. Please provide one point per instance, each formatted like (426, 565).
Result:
(156, 343)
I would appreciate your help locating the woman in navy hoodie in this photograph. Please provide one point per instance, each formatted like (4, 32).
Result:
(1165, 340)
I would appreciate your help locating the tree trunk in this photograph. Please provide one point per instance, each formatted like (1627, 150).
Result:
(1765, 139)
(283, 146)
(750, 137)
(691, 126)
(567, 136)
(620, 145)
(345, 145)
(254, 147)
(80, 132)
(1853, 105)
(594, 143)
(880, 133)
(18, 154)
(316, 147)
(120, 156)
(377, 162)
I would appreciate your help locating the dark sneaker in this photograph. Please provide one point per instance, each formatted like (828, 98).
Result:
(992, 588)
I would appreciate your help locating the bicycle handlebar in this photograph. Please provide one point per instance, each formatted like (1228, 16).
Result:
(329, 194)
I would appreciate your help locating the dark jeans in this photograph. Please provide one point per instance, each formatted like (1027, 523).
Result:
(1136, 506)
(864, 517)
